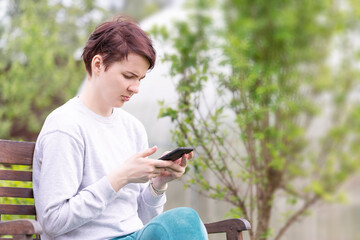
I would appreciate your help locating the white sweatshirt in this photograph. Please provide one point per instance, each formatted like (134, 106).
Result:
(75, 150)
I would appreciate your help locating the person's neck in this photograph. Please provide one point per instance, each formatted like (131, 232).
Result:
(94, 102)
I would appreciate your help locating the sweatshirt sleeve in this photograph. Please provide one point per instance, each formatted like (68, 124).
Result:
(60, 206)
(149, 205)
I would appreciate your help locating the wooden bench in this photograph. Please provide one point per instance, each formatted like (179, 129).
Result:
(21, 153)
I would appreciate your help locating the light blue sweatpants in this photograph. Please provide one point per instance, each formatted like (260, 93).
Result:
(176, 224)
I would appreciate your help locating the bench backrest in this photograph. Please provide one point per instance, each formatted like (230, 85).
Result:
(16, 165)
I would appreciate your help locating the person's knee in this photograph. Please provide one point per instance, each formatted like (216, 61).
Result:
(178, 223)
(188, 212)
(182, 213)
(185, 217)
(185, 210)
(189, 221)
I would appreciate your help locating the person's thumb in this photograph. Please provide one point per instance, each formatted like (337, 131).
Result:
(148, 152)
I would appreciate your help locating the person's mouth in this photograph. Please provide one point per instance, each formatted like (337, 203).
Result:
(125, 98)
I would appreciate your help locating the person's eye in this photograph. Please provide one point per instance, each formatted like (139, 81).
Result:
(128, 76)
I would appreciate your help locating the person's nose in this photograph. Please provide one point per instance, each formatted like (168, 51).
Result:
(134, 87)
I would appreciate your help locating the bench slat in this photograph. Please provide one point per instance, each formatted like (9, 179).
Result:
(14, 152)
(15, 175)
(16, 192)
(7, 209)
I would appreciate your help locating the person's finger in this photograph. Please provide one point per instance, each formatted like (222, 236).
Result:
(175, 173)
(184, 160)
(162, 163)
(175, 168)
(147, 152)
(159, 170)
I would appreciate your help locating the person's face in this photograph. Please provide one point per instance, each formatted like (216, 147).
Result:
(121, 80)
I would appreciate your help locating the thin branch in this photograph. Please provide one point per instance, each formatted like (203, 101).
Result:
(291, 192)
(295, 216)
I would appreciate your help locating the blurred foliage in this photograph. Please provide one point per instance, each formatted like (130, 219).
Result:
(268, 94)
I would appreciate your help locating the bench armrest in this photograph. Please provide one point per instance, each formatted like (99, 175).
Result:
(232, 227)
(20, 227)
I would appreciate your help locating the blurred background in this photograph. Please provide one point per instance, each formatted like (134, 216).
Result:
(41, 43)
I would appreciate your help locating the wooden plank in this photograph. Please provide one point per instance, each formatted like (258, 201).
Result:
(16, 192)
(232, 227)
(14, 152)
(8, 209)
(16, 175)
(25, 227)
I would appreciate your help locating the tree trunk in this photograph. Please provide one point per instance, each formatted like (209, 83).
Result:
(264, 214)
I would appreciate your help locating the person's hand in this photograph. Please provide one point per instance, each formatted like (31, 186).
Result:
(173, 171)
(138, 169)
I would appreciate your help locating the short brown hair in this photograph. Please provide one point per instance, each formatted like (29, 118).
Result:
(115, 39)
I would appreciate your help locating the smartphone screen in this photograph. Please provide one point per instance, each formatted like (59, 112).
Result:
(176, 153)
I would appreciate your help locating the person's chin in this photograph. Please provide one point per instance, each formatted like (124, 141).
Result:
(119, 104)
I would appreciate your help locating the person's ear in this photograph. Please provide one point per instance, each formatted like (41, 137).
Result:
(96, 64)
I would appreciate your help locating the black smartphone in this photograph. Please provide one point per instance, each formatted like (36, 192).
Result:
(176, 153)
